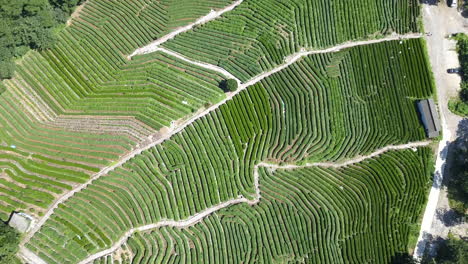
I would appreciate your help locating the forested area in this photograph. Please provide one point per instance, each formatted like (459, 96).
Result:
(457, 185)
(9, 240)
(452, 251)
(460, 105)
(29, 24)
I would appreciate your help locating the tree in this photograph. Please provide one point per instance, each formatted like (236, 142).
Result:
(461, 107)
(457, 183)
(464, 92)
(29, 24)
(229, 85)
(403, 258)
(452, 251)
(9, 240)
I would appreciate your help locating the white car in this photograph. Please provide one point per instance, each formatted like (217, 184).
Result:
(453, 3)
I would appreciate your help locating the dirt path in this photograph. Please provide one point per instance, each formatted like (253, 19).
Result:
(378, 152)
(440, 21)
(199, 216)
(199, 63)
(211, 16)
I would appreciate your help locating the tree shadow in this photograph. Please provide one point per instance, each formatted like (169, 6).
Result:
(449, 217)
(448, 153)
(464, 13)
(402, 258)
(430, 2)
(456, 157)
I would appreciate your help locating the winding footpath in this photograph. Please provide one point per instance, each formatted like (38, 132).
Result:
(204, 19)
(199, 216)
(200, 64)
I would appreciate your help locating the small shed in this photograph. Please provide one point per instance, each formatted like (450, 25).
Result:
(429, 117)
(21, 221)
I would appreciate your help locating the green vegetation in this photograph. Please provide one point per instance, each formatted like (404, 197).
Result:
(9, 240)
(460, 105)
(80, 105)
(457, 185)
(452, 251)
(340, 106)
(229, 85)
(29, 24)
(355, 214)
(258, 35)
(77, 105)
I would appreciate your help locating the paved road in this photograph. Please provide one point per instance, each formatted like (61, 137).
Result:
(440, 21)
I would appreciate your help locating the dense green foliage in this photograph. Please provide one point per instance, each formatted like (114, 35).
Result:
(355, 214)
(29, 24)
(229, 85)
(258, 35)
(452, 251)
(457, 185)
(460, 105)
(339, 106)
(9, 240)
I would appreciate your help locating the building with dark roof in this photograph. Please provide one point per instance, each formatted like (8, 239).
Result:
(429, 117)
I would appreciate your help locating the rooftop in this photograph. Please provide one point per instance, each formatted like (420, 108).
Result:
(20, 221)
(429, 117)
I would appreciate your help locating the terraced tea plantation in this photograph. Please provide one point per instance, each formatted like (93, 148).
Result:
(313, 215)
(78, 107)
(212, 161)
(256, 36)
(124, 146)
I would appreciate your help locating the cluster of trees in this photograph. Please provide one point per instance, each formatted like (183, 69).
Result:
(29, 24)
(462, 47)
(452, 251)
(461, 105)
(457, 183)
(9, 240)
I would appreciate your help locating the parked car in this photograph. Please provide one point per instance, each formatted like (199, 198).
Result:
(452, 3)
(453, 70)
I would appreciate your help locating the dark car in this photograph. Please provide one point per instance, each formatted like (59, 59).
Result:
(453, 70)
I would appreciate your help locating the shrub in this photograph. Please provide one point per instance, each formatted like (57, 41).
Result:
(452, 251)
(229, 85)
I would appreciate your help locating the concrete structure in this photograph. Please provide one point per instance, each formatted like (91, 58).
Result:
(429, 117)
(21, 221)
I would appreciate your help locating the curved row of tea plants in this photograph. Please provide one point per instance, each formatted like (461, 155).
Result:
(257, 35)
(79, 106)
(305, 112)
(362, 213)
